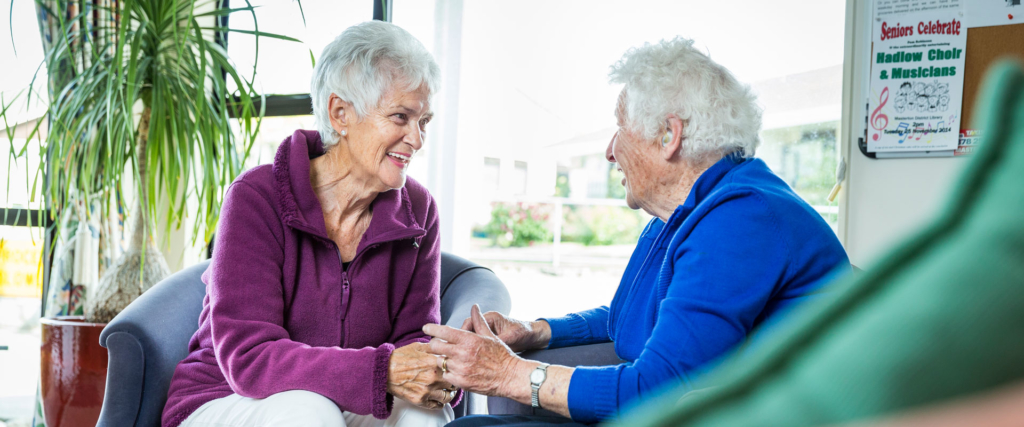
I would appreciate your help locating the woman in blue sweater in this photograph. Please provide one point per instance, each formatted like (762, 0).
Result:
(731, 248)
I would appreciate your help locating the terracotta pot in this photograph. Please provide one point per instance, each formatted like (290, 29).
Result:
(74, 371)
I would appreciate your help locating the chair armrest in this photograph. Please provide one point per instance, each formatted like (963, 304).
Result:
(464, 283)
(125, 370)
(143, 352)
(474, 285)
(584, 355)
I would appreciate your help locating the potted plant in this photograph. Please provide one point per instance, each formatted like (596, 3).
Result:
(136, 88)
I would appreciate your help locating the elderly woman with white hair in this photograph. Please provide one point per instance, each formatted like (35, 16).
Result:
(731, 247)
(327, 262)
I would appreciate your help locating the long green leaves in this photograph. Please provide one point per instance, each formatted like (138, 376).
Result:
(156, 55)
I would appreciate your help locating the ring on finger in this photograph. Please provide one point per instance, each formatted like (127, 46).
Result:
(444, 364)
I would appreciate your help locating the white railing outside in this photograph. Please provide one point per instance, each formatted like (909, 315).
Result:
(559, 204)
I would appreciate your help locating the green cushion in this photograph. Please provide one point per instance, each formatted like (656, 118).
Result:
(941, 316)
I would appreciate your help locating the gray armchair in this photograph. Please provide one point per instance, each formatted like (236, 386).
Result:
(148, 339)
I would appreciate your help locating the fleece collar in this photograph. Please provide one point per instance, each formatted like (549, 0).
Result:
(301, 210)
(708, 181)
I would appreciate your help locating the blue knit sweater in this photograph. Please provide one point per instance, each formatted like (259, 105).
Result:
(741, 250)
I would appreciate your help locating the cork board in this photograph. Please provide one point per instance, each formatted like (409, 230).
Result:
(986, 45)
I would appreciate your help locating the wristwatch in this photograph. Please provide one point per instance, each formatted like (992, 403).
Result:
(537, 378)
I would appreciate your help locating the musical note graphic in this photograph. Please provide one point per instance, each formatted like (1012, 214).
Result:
(928, 131)
(877, 117)
(903, 130)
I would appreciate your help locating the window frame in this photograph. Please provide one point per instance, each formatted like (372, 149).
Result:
(298, 104)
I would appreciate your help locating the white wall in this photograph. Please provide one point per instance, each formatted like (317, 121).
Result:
(890, 198)
(882, 201)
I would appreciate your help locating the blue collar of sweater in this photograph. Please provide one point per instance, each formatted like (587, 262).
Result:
(300, 208)
(707, 183)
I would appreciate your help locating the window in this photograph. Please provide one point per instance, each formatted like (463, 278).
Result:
(21, 247)
(285, 67)
(519, 178)
(541, 96)
(798, 137)
(491, 176)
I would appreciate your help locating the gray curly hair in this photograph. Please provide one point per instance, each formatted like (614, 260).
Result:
(362, 65)
(672, 76)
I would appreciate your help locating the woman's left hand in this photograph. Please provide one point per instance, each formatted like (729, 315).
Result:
(413, 376)
(478, 362)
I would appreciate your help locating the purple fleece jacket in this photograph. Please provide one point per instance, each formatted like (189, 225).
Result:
(280, 312)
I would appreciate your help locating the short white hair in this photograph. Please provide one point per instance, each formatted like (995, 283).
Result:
(362, 65)
(721, 114)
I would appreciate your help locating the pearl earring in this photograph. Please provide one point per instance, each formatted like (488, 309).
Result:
(344, 132)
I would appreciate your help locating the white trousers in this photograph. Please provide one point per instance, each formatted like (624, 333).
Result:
(307, 409)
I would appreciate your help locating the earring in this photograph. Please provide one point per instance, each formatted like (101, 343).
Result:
(666, 139)
(344, 132)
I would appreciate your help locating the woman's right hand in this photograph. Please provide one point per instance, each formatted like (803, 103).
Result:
(518, 335)
(413, 376)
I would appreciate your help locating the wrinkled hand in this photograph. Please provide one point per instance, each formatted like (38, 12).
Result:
(519, 335)
(414, 376)
(477, 361)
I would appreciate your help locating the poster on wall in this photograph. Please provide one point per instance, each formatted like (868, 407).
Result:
(917, 76)
(987, 13)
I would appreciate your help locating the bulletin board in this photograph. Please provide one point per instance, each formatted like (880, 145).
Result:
(986, 45)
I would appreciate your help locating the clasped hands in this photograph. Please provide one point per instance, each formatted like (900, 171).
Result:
(479, 357)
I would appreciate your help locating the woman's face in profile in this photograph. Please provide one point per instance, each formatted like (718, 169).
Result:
(384, 142)
(631, 154)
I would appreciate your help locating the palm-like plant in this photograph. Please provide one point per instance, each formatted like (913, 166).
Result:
(148, 89)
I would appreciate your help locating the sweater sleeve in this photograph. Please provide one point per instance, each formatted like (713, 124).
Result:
(716, 282)
(252, 347)
(422, 302)
(585, 327)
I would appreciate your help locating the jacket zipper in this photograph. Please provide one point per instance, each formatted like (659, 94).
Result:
(344, 293)
(346, 284)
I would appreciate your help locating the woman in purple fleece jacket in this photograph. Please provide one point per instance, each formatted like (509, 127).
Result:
(327, 262)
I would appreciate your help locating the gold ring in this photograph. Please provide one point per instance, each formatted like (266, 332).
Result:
(444, 364)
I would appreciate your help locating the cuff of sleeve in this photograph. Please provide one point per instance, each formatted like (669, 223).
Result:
(382, 401)
(568, 331)
(593, 393)
(457, 399)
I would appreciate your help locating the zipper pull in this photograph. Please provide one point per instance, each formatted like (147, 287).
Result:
(415, 244)
(345, 286)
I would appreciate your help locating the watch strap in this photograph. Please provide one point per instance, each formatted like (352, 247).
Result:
(535, 387)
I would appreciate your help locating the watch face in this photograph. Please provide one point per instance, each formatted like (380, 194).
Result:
(537, 377)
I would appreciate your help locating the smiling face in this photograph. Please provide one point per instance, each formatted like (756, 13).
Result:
(382, 144)
(634, 156)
